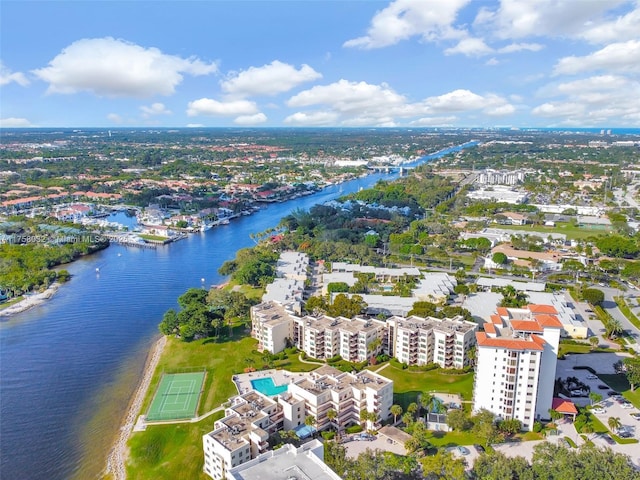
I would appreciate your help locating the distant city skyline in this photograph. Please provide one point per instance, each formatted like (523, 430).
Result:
(320, 63)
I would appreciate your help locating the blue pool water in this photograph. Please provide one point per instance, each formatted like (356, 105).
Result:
(266, 386)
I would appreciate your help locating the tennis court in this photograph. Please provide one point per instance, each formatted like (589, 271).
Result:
(177, 396)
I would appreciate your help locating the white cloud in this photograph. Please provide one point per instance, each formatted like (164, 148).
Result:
(117, 68)
(598, 100)
(623, 27)
(350, 97)
(315, 119)
(617, 57)
(208, 106)
(360, 103)
(403, 19)
(518, 47)
(251, 119)
(154, 109)
(115, 118)
(471, 47)
(7, 76)
(13, 122)
(520, 19)
(434, 121)
(194, 125)
(271, 79)
(493, 61)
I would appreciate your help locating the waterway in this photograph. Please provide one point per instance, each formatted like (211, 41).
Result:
(69, 366)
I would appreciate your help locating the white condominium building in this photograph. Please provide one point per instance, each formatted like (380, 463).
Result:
(272, 325)
(325, 337)
(328, 388)
(419, 341)
(412, 340)
(516, 363)
(251, 418)
(242, 434)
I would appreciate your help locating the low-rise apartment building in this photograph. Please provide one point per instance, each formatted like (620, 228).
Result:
(242, 435)
(420, 341)
(412, 340)
(516, 363)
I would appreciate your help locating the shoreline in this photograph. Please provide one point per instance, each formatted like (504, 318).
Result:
(117, 458)
(30, 301)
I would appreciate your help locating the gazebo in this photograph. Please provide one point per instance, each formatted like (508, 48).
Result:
(565, 407)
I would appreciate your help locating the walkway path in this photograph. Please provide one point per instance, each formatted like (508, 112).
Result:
(118, 456)
(307, 361)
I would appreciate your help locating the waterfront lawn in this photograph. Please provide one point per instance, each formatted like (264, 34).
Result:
(619, 383)
(407, 385)
(169, 451)
(221, 361)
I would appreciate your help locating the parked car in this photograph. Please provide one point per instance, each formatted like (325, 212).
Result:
(635, 415)
(592, 377)
(599, 410)
(463, 450)
(626, 405)
(608, 439)
(479, 448)
(602, 387)
(625, 434)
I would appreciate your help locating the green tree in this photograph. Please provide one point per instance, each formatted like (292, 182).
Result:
(614, 423)
(632, 372)
(594, 342)
(443, 466)
(593, 296)
(513, 298)
(499, 258)
(458, 420)
(498, 466)
(484, 426)
(344, 306)
(594, 397)
(396, 411)
(332, 415)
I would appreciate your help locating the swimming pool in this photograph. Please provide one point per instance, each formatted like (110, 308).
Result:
(266, 386)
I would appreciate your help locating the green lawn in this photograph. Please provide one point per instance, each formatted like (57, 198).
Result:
(565, 228)
(175, 451)
(451, 439)
(169, 451)
(620, 384)
(407, 384)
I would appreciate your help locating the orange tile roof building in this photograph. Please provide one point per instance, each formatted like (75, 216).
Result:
(516, 363)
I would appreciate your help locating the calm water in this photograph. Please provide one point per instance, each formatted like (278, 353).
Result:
(69, 367)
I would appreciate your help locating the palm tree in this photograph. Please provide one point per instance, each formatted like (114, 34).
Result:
(364, 416)
(372, 348)
(595, 397)
(426, 400)
(372, 417)
(594, 342)
(396, 411)
(310, 420)
(331, 415)
(613, 328)
(412, 408)
(614, 423)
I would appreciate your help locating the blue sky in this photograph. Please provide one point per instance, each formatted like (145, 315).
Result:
(270, 63)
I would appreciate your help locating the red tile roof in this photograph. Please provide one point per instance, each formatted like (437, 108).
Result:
(535, 309)
(489, 328)
(526, 325)
(508, 343)
(496, 320)
(563, 406)
(502, 311)
(548, 321)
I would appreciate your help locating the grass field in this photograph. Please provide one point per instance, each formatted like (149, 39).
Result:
(167, 452)
(176, 397)
(408, 385)
(565, 228)
(620, 384)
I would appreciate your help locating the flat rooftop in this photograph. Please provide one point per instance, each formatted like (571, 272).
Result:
(283, 464)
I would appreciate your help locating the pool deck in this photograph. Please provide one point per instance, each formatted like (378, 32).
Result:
(242, 381)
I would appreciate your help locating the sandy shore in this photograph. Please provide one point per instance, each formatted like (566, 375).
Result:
(118, 455)
(30, 301)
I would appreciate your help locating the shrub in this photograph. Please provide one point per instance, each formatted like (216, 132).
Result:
(537, 427)
(354, 429)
